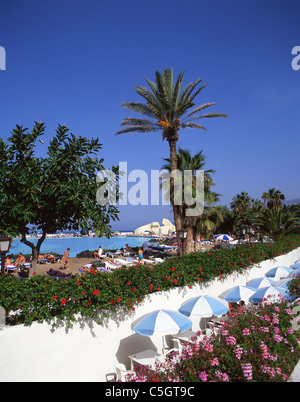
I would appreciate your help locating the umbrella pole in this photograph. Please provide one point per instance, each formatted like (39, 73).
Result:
(163, 347)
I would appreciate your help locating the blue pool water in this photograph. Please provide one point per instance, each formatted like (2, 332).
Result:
(77, 244)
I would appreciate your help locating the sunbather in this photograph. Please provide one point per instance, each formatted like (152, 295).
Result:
(65, 259)
(128, 248)
(20, 260)
(99, 253)
(89, 267)
(54, 272)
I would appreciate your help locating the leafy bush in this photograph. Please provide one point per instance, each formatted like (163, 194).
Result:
(294, 286)
(258, 345)
(42, 298)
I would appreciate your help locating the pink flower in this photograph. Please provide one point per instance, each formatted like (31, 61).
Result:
(203, 376)
(214, 362)
(247, 371)
(277, 338)
(230, 340)
(238, 352)
(246, 331)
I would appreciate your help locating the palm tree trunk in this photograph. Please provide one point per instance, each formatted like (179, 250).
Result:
(189, 246)
(173, 163)
(197, 239)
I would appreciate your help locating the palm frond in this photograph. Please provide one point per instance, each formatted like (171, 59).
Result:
(199, 109)
(193, 125)
(139, 108)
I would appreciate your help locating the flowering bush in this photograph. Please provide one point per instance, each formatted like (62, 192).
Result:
(294, 286)
(258, 345)
(42, 298)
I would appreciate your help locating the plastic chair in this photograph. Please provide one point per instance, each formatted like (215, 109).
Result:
(122, 372)
(177, 345)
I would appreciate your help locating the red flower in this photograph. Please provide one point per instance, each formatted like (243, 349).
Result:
(175, 281)
(229, 263)
(83, 293)
(63, 301)
(78, 282)
(134, 289)
(118, 299)
(128, 283)
(173, 269)
(54, 298)
(209, 253)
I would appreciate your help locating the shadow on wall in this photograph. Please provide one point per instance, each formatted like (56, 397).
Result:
(134, 343)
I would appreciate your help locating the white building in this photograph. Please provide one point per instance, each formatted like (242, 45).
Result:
(166, 228)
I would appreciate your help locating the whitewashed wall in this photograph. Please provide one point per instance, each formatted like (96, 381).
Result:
(87, 351)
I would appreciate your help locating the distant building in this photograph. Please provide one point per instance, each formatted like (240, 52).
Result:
(154, 227)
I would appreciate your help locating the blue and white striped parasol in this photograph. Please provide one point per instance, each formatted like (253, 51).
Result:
(223, 237)
(238, 293)
(260, 282)
(278, 272)
(269, 293)
(163, 322)
(296, 265)
(204, 306)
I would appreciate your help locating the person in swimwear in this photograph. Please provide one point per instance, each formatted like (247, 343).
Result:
(65, 259)
(141, 256)
(20, 260)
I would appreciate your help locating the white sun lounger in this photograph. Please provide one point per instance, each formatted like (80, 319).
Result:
(122, 262)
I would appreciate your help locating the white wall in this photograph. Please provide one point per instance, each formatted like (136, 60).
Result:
(87, 351)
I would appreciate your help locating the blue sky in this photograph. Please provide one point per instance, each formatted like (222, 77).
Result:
(74, 62)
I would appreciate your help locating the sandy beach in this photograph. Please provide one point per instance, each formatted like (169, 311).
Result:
(75, 263)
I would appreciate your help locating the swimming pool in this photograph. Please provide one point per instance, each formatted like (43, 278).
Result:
(77, 244)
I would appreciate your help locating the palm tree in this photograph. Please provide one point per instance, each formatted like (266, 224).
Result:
(276, 223)
(167, 108)
(209, 222)
(185, 161)
(241, 206)
(274, 198)
(240, 203)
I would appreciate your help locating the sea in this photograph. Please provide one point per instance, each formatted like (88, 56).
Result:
(78, 244)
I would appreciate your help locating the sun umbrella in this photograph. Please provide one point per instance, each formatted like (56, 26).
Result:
(260, 282)
(238, 293)
(223, 237)
(282, 283)
(163, 322)
(278, 272)
(296, 262)
(269, 292)
(204, 306)
(294, 273)
(296, 265)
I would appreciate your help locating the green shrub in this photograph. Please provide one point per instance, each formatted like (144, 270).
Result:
(42, 298)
